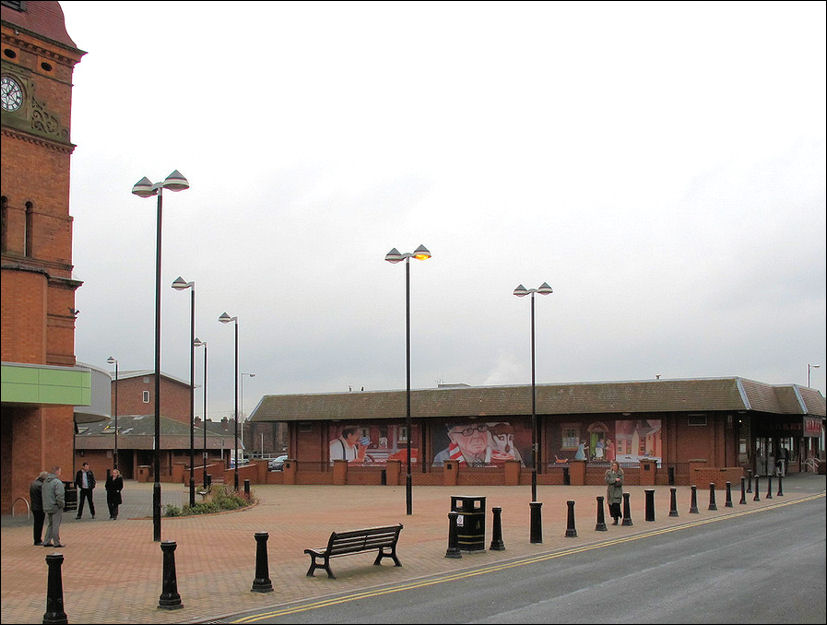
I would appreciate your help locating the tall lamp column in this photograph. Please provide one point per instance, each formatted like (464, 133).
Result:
(113, 361)
(181, 285)
(521, 291)
(145, 188)
(421, 253)
(200, 343)
(225, 318)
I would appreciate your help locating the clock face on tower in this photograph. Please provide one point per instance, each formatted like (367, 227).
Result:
(11, 94)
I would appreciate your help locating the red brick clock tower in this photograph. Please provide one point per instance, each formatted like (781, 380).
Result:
(40, 383)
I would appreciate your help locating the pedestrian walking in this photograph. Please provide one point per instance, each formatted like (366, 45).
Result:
(36, 498)
(85, 482)
(114, 486)
(614, 490)
(53, 503)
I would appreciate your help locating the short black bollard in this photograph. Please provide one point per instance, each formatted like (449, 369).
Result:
(497, 533)
(693, 503)
(262, 581)
(627, 512)
(673, 502)
(650, 504)
(566, 477)
(247, 489)
(54, 590)
(756, 497)
(671, 473)
(170, 599)
(536, 534)
(749, 480)
(453, 541)
(571, 532)
(780, 492)
(728, 503)
(769, 487)
(712, 505)
(743, 491)
(601, 518)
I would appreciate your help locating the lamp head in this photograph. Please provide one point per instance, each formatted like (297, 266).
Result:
(176, 182)
(179, 284)
(225, 318)
(421, 253)
(199, 343)
(544, 289)
(144, 188)
(111, 361)
(394, 256)
(520, 291)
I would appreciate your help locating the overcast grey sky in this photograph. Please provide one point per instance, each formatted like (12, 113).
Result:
(660, 165)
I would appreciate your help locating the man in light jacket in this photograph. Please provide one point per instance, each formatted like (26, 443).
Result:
(53, 504)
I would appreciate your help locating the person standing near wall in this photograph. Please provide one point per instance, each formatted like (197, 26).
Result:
(114, 486)
(85, 482)
(53, 503)
(36, 497)
(614, 490)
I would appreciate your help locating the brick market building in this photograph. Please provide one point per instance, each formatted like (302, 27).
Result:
(40, 382)
(661, 431)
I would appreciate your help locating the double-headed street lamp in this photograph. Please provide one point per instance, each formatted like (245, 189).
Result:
(199, 343)
(421, 253)
(113, 361)
(145, 188)
(179, 284)
(225, 318)
(521, 291)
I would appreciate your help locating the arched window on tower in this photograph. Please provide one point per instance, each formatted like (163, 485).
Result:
(29, 235)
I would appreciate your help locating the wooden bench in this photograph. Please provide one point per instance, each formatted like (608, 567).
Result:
(356, 541)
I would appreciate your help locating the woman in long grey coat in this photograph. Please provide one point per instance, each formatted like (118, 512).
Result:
(614, 490)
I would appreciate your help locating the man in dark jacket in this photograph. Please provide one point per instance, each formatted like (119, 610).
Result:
(85, 482)
(36, 497)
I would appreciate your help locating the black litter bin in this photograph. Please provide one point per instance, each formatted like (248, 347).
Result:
(470, 522)
(70, 496)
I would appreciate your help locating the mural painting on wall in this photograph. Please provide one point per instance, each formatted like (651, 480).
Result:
(370, 444)
(627, 442)
(481, 444)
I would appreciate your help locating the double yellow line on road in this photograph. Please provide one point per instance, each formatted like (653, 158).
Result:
(493, 568)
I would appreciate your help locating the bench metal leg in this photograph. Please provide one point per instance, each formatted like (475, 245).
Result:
(382, 554)
(325, 566)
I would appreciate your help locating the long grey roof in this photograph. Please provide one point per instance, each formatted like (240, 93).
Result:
(648, 396)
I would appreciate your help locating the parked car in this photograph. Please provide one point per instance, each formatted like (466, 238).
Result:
(276, 464)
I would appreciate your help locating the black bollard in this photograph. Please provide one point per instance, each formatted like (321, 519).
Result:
(536, 535)
(54, 590)
(728, 503)
(749, 480)
(209, 479)
(453, 548)
(712, 505)
(601, 518)
(170, 599)
(262, 581)
(743, 491)
(756, 497)
(627, 512)
(571, 532)
(769, 487)
(650, 504)
(780, 492)
(247, 489)
(497, 533)
(693, 504)
(566, 477)
(673, 502)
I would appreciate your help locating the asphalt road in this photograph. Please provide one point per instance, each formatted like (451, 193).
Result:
(760, 567)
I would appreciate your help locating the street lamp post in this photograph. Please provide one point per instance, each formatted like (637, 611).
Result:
(421, 253)
(181, 285)
(113, 361)
(145, 188)
(809, 366)
(521, 291)
(200, 343)
(243, 416)
(225, 318)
